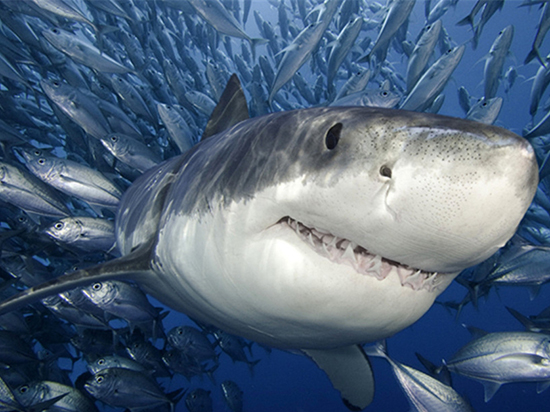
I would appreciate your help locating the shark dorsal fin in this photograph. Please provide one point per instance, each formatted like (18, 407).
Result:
(230, 110)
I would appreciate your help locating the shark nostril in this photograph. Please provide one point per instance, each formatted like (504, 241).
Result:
(385, 171)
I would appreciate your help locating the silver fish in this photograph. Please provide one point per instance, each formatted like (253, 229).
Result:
(131, 151)
(503, 357)
(342, 46)
(126, 388)
(233, 395)
(398, 13)
(70, 399)
(422, 52)
(542, 29)
(485, 110)
(74, 179)
(22, 189)
(84, 233)
(432, 83)
(83, 52)
(213, 12)
(372, 98)
(495, 61)
(424, 393)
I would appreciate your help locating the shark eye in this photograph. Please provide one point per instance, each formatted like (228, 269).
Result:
(333, 136)
(385, 171)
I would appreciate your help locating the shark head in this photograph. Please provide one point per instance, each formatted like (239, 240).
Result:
(324, 227)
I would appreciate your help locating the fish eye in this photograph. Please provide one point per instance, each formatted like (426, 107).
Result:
(42, 161)
(384, 93)
(37, 152)
(449, 51)
(56, 83)
(58, 225)
(55, 31)
(101, 362)
(180, 331)
(114, 138)
(333, 136)
(23, 389)
(99, 379)
(484, 104)
(385, 171)
(96, 286)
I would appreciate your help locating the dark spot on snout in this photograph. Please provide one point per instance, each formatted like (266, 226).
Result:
(333, 136)
(385, 171)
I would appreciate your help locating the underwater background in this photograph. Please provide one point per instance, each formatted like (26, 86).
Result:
(283, 381)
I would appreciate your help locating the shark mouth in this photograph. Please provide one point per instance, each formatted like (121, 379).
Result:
(344, 251)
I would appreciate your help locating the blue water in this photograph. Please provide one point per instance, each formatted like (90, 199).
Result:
(288, 382)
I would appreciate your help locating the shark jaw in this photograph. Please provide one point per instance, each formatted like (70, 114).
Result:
(344, 251)
(279, 282)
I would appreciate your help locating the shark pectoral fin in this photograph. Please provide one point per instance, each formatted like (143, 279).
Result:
(134, 266)
(350, 372)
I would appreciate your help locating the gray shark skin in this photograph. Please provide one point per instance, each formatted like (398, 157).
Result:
(319, 229)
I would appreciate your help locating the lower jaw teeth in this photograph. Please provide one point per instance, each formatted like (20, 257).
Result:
(343, 251)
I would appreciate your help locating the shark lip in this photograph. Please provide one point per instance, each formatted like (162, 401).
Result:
(344, 251)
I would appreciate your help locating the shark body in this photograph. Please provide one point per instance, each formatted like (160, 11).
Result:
(318, 229)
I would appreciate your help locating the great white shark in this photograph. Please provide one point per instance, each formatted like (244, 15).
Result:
(317, 229)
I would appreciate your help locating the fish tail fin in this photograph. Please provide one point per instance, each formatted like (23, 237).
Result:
(379, 349)
(254, 43)
(440, 373)
(133, 266)
(524, 320)
(469, 19)
(175, 397)
(210, 373)
(534, 53)
(251, 365)
(100, 30)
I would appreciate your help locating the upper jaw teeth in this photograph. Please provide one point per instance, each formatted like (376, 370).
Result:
(344, 251)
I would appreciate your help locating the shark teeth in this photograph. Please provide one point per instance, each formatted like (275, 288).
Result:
(344, 251)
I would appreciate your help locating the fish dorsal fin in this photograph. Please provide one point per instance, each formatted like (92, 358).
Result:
(350, 372)
(134, 266)
(230, 110)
